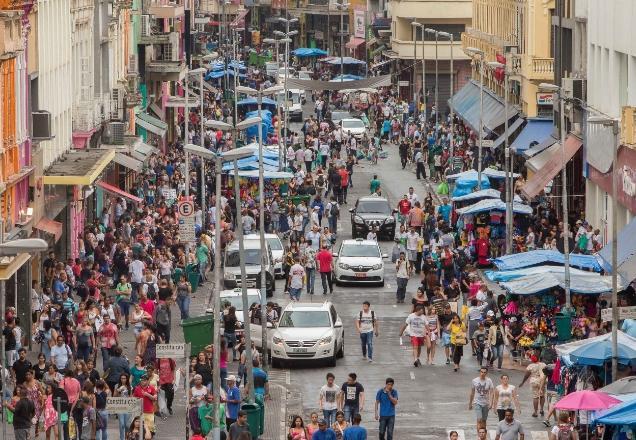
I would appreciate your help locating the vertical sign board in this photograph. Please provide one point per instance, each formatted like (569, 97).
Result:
(186, 221)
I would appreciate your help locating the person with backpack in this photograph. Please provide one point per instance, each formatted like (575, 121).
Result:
(564, 430)
(367, 326)
(333, 213)
(163, 318)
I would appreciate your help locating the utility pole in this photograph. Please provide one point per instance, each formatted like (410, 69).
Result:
(261, 227)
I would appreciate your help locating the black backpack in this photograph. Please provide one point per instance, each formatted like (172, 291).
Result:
(320, 181)
(334, 210)
(372, 316)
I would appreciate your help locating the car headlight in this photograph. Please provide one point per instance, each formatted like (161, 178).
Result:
(325, 341)
(229, 276)
(390, 220)
(277, 341)
(358, 219)
(377, 266)
(343, 266)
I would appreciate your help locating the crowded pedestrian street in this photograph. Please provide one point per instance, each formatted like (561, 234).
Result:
(339, 221)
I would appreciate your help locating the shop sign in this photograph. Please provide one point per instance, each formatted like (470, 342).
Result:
(359, 23)
(623, 313)
(404, 83)
(123, 405)
(170, 351)
(626, 179)
(545, 98)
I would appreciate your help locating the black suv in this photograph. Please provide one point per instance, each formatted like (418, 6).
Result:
(370, 212)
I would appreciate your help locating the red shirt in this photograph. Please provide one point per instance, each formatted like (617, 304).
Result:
(324, 259)
(166, 369)
(148, 306)
(404, 206)
(344, 177)
(149, 405)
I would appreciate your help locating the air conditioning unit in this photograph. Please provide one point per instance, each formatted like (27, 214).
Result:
(575, 88)
(41, 125)
(114, 133)
(145, 25)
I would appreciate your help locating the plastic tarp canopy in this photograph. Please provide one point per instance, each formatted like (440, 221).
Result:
(591, 283)
(251, 163)
(567, 348)
(629, 327)
(347, 77)
(266, 124)
(489, 193)
(467, 185)
(309, 52)
(254, 101)
(494, 205)
(599, 353)
(473, 174)
(623, 414)
(220, 74)
(253, 174)
(626, 255)
(509, 275)
(335, 61)
(268, 152)
(541, 256)
(310, 84)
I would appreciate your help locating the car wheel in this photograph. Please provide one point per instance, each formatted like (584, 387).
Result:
(276, 363)
(331, 362)
(340, 353)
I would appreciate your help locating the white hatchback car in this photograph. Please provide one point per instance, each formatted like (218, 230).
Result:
(308, 331)
(354, 127)
(359, 261)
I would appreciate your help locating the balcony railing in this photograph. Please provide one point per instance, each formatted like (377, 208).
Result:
(541, 68)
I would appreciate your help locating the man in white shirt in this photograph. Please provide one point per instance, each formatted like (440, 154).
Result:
(296, 281)
(412, 197)
(367, 326)
(328, 399)
(412, 238)
(418, 329)
(136, 268)
(314, 236)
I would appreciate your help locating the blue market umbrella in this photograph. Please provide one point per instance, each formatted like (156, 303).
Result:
(600, 352)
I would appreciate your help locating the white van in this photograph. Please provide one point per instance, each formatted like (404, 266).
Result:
(296, 100)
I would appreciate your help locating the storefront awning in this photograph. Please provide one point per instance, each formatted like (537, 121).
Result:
(16, 263)
(466, 105)
(511, 129)
(152, 124)
(552, 161)
(240, 18)
(129, 162)
(51, 227)
(78, 167)
(536, 130)
(142, 150)
(354, 42)
(533, 151)
(113, 189)
(626, 253)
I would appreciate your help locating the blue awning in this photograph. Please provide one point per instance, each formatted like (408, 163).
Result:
(309, 52)
(626, 255)
(536, 130)
(511, 129)
(533, 258)
(466, 104)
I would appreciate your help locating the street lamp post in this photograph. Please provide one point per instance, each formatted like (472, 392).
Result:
(286, 38)
(261, 220)
(475, 51)
(415, 25)
(433, 31)
(452, 115)
(615, 124)
(342, 6)
(12, 248)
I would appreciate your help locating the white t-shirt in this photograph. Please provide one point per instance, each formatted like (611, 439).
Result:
(329, 394)
(482, 390)
(366, 321)
(411, 240)
(412, 198)
(372, 236)
(297, 273)
(309, 155)
(137, 271)
(418, 325)
(324, 149)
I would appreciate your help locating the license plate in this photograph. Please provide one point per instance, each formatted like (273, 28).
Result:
(251, 284)
(361, 275)
(299, 350)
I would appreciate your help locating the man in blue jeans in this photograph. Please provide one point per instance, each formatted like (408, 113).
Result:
(352, 397)
(386, 399)
(367, 326)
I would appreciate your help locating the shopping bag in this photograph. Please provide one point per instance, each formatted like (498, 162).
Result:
(442, 188)
(163, 405)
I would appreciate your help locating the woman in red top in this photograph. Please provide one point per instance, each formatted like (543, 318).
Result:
(166, 368)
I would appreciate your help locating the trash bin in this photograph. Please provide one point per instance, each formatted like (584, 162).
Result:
(260, 401)
(193, 276)
(198, 332)
(253, 411)
(564, 325)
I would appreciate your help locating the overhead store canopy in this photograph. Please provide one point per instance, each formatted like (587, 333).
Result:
(533, 151)
(253, 174)
(466, 104)
(626, 255)
(141, 151)
(509, 275)
(79, 167)
(489, 193)
(129, 162)
(51, 227)
(494, 205)
(302, 52)
(354, 42)
(253, 101)
(113, 189)
(308, 84)
(541, 256)
(552, 161)
(473, 174)
(590, 283)
(536, 130)
(623, 414)
(336, 61)
(511, 129)
(152, 124)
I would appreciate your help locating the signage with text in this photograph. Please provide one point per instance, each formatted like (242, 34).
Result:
(623, 313)
(545, 98)
(123, 405)
(168, 351)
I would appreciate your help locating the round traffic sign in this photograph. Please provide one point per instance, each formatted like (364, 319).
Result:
(186, 209)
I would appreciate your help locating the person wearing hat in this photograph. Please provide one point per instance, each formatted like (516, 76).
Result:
(148, 393)
(232, 401)
(323, 433)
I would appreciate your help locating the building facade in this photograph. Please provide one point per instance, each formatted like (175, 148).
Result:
(451, 16)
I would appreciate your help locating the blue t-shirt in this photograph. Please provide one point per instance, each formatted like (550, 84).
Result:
(354, 433)
(387, 408)
(233, 408)
(327, 434)
(445, 210)
(260, 379)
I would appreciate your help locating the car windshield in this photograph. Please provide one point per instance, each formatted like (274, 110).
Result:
(303, 319)
(237, 301)
(354, 123)
(359, 250)
(373, 207)
(275, 244)
(252, 257)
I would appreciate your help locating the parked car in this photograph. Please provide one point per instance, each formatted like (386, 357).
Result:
(276, 246)
(234, 298)
(372, 212)
(359, 261)
(252, 260)
(308, 331)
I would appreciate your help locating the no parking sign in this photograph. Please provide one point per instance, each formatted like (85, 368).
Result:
(186, 221)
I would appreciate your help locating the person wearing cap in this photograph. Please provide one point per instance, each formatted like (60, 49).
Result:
(323, 432)
(148, 393)
(233, 400)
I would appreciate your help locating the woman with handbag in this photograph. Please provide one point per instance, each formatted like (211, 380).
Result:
(457, 330)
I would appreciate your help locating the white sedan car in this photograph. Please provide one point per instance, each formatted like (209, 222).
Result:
(354, 127)
(359, 261)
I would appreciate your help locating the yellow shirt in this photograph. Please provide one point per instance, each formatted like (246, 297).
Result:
(456, 329)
